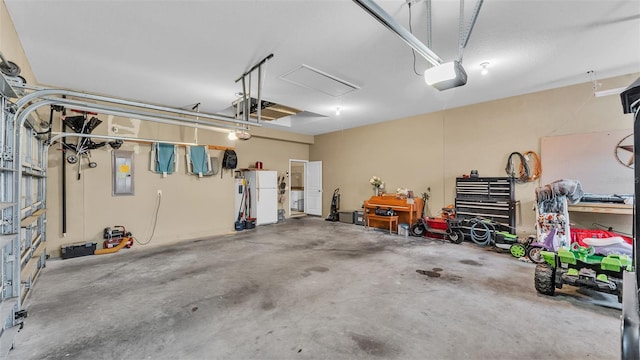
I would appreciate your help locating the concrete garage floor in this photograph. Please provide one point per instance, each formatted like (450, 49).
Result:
(310, 289)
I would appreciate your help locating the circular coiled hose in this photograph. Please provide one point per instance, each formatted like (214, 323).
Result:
(535, 169)
(510, 169)
(481, 232)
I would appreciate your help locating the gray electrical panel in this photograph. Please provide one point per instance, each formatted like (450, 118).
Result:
(122, 170)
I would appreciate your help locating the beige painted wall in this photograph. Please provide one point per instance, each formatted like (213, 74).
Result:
(191, 207)
(404, 153)
(431, 150)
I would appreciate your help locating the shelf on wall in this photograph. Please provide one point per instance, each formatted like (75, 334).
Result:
(602, 208)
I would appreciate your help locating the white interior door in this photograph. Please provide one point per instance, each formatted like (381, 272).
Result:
(313, 188)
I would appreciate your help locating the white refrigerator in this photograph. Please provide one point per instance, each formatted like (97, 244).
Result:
(263, 187)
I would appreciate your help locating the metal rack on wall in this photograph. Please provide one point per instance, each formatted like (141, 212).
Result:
(490, 198)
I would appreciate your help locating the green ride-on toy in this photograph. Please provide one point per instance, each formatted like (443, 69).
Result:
(581, 267)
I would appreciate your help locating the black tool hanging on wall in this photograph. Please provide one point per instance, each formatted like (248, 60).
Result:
(229, 160)
(82, 148)
(63, 148)
(510, 169)
(239, 223)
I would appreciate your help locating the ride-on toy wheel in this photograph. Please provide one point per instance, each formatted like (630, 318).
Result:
(534, 255)
(417, 230)
(517, 250)
(456, 236)
(545, 278)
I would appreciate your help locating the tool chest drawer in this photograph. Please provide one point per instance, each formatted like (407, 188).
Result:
(493, 188)
(489, 198)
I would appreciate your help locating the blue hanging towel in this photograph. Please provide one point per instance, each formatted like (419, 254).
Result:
(199, 159)
(165, 158)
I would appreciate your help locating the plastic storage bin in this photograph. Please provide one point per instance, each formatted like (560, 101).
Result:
(250, 223)
(403, 229)
(346, 217)
(71, 251)
(358, 217)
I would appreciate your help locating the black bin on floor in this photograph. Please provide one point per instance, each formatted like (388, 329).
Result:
(71, 251)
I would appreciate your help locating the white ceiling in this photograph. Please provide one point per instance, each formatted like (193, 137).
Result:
(179, 53)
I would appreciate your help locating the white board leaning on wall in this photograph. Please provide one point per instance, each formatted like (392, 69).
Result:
(602, 161)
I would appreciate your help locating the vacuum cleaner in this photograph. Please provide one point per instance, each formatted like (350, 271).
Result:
(335, 206)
